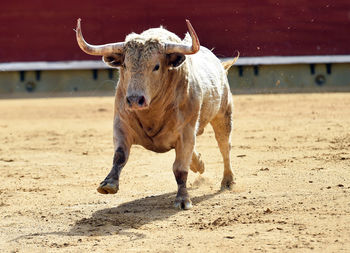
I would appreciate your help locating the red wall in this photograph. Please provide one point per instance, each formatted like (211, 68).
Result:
(41, 30)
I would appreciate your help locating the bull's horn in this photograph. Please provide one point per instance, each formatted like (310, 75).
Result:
(185, 49)
(97, 50)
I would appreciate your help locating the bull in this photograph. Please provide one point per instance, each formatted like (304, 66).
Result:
(169, 89)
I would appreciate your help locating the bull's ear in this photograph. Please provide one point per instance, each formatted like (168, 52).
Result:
(114, 60)
(175, 59)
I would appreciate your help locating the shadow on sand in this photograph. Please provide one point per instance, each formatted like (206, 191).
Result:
(129, 215)
(133, 214)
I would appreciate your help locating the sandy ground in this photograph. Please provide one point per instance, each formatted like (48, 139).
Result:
(291, 156)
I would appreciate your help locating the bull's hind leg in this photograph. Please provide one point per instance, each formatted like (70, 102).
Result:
(196, 164)
(222, 125)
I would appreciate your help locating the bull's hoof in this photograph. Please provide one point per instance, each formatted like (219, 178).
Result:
(200, 168)
(197, 166)
(227, 183)
(183, 203)
(108, 188)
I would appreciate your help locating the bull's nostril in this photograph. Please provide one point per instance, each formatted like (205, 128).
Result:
(141, 100)
(134, 100)
(128, 101)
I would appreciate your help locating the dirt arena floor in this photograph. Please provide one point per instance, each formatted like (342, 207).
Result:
(290, 153)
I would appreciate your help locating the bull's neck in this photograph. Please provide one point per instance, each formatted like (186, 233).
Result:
(151, 121)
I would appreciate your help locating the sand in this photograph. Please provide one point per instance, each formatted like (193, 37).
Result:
(290, 154)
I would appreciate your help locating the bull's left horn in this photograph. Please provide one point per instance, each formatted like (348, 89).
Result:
(185, 49)
(94, 49)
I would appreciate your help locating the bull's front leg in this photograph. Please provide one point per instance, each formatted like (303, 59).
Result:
(183, 149)
(110, 185)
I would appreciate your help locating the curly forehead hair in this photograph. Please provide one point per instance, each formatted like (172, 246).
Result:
(136, 43)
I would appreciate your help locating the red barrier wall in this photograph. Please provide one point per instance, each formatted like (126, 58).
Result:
(38, 30)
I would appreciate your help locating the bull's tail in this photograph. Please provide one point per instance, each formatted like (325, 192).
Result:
(228, 64)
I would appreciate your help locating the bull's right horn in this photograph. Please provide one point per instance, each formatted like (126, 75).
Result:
(106, 49)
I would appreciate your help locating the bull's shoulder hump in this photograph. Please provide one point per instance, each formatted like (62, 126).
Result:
(161, 34)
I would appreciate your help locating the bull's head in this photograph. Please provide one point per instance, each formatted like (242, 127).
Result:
(143, 64)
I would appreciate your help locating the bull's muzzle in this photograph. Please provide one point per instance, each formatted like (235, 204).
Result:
(136, 102)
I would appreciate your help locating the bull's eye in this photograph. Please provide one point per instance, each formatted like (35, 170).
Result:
(156, 67)
(123, 65)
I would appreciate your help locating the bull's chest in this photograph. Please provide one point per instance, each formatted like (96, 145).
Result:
(157, 136)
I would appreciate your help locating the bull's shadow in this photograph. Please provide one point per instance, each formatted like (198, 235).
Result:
(129, 215)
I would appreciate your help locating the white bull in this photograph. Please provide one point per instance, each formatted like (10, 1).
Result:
(168, 91)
